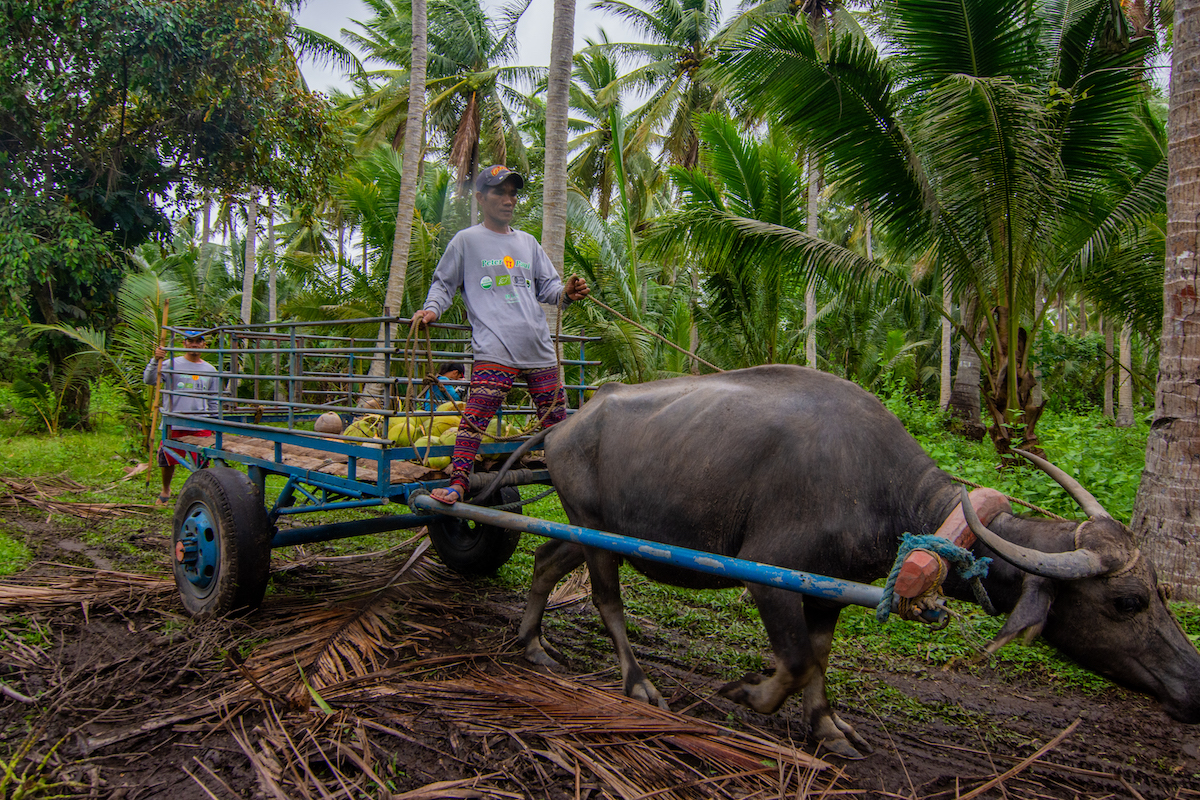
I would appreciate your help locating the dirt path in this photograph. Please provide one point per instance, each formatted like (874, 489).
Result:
(359, 678)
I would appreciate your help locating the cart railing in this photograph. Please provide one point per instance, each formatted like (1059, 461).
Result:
(294, 371)
(274, 379)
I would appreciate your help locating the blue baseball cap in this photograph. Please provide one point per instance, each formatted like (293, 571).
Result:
(496, 175)
(193, 333)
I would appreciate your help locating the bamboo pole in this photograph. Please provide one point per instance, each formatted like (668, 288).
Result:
(162, 342)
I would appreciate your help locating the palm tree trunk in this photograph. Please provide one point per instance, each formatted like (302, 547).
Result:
(1107, 326)
(1167, 509)
(558, 86)
(810, 289)
(409, 174)
(272, 295)
(945, 386)
(554, 186)
(967, 418)
(248, 273)
(205, 235)
(1125, 381)
(341, 251)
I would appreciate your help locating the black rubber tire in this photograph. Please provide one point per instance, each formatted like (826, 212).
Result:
(472, 549)
(239, 541)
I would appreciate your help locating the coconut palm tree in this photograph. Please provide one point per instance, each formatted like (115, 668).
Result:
(994, 137)
(410, 171)
(597, 100)
(751, 300)
(469, 78)
(1164, 515)
(681, 37)
(558, 97)
(370, 191)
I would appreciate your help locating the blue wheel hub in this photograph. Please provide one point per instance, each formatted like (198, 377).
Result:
(197, 549)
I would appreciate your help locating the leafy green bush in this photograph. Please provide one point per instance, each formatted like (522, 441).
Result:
(1107, 460)
(1072, 369)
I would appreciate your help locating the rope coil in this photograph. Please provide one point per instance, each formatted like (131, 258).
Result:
(970, 569)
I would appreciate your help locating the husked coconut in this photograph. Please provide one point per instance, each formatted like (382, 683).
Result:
(329, 422)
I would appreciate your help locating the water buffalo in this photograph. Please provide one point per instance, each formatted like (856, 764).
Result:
(791, 466)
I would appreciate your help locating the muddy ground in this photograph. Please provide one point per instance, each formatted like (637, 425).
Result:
(389, 677)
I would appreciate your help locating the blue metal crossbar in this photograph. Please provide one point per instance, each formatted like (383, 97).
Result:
(841, 591)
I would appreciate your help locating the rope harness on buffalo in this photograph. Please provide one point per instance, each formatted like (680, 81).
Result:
(970, 569)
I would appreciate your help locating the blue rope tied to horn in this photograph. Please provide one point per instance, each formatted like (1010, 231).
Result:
(970, 569)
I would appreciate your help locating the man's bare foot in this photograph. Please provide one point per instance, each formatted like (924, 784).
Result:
(449, 495)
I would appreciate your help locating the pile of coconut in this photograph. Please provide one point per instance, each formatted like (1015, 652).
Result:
(416, 431)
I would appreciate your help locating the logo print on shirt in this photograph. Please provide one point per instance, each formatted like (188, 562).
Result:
(508, 262)
(486, 281)
(503, 280)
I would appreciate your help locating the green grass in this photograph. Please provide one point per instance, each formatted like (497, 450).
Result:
(14, 555)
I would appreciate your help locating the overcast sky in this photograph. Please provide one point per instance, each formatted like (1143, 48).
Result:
(533, 32)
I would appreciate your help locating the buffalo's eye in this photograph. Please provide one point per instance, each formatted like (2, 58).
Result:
(1129, 604)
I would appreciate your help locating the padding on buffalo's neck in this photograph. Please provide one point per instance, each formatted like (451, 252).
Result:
(921, 570)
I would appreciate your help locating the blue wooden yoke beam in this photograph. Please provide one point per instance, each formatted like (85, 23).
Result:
(840, 591)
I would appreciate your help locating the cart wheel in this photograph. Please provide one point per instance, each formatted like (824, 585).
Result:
(471, 548)
(221, 543)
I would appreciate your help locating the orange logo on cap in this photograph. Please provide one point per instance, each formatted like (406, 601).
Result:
(497, 170)
(508, 262)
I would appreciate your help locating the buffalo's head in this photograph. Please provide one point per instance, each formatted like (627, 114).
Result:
(1094, 596)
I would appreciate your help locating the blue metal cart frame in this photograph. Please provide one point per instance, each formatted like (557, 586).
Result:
(274, 380)
(223, 532)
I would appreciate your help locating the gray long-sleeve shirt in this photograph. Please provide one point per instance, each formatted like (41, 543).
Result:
(192, 378)
(503, 278)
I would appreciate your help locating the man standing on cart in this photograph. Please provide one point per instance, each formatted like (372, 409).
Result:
(190, 386)
(504, 276)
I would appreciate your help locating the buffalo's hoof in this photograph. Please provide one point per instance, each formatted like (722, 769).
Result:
(538, 653)
(738, 691)
(764, 695)
(843, 748)
(839, 737)
(645, 692)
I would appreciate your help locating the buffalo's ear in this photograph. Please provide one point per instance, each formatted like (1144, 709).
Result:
(1029, 616)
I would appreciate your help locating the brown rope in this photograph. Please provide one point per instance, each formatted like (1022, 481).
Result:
(624, 318)
(1030, 506)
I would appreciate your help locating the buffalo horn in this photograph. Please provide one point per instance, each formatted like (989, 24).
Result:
(1072, 565)
(1090, 505)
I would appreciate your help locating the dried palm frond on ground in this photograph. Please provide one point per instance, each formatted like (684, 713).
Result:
(334, 756)
(88, 588)
(603, 741)
(349, 632)
(630, 748)
(42, 494)
(365, 644)
(575, 588)
(388, 677)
